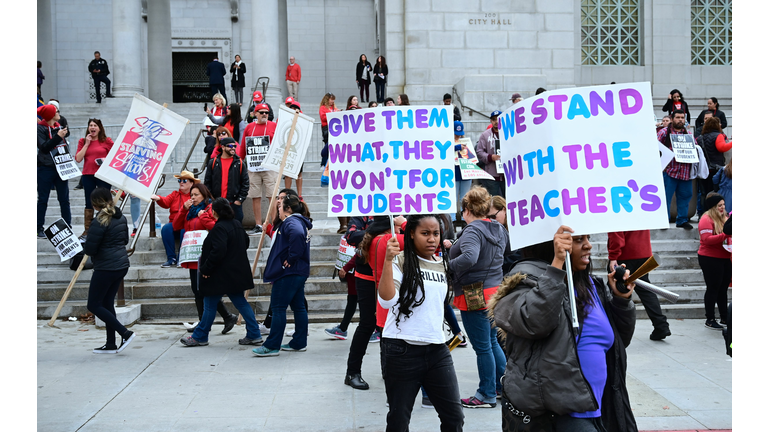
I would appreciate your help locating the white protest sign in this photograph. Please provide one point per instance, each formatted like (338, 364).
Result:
(346, 252)
(256, 148)
(666, 155)
(63, 239)
(299, 144)
(684, 148)
(192, 246)
(582, 157)
(391, 160)
(467, 162)
(65, 163)
(135, 163)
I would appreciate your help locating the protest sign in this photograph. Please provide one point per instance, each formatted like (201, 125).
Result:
(582, 157)
(302, 136)
(63, 239)
(135, 163)
(346, 252)
(666, 155)
(684, 148)
(467, 162)
(192, 246)
(391, 160)
(499, 166)
(65, 163)
(256, 148)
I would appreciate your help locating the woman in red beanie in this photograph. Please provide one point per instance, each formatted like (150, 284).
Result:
(49, 136)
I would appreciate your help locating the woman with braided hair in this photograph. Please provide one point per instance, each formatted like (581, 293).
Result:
(415, 287)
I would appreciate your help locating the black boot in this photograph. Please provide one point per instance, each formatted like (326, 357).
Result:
(229, 319)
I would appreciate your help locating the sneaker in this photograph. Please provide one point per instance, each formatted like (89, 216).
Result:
(257, 229)
(659, 334)
(190, 342)
(128, 338)
(133, 234)
(229, 323)
(287, 347)
(713, 325)
(336, 333)
(723, 323)
(686, 225)
(426, 403)
(248, 341)
(474, 402)
(375, 337)
(79, 186)
(263, 351)
(190, 327)
(105, 349)
(170, 263)
(264, 330)
(41, 234)
(290, 333)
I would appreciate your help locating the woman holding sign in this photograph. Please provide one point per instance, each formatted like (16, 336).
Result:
(196, 215)
(106, 246)
(557, 377)
(92, 150)
(477, 258)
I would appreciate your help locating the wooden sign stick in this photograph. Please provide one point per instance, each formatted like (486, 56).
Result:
(274, 195)
(64, 298)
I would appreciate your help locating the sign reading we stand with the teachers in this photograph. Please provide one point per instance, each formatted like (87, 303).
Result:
(583, 157)
(391, 160)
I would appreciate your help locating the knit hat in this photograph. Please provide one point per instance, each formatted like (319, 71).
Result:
(54, 103)
(46, 112)
(712, 201)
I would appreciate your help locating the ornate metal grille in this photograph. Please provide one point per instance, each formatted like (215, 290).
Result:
(190, 83)
(610, 32)
(711, 27)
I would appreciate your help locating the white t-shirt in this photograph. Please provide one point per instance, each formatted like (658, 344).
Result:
(425, 325)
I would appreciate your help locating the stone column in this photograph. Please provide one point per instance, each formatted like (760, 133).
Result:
(45, 49)
(159, 51)
(126, 49)
(266, 49)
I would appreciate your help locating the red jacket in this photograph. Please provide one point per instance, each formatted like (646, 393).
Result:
(174, 201)
(204, 222)
(627, 245)
(377, 252)
(323, 111)
(711, 244)
(293, 73)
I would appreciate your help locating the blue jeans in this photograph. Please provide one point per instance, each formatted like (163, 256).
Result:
(683, 191)
(490, 357)
(408, 368)
(48, 177)
(288, 291)
(210, 303)
(135, 211)
(170, 237)
(381, 89)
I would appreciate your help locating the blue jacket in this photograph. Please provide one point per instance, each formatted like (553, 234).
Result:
(723, 185)
(291, 243)
(216, 72)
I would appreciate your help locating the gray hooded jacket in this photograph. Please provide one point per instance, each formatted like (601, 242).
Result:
(478, 254)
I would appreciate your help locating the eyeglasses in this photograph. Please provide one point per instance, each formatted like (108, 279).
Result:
(493, 216)
(184, 181)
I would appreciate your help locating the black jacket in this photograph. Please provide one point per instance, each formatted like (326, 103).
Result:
(669, 108)
(238, 75)
(364, 70)
(543, 374)
(719, 114)
(380, 70)
(106, 244)
(237, 179)
(252, 109)
(47, 140)
(99, 64)
(225, 260)
(355, 232)
(216, 72)
(707, 143)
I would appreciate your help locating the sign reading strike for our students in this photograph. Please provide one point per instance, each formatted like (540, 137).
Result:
(135, 163)
(63, 239)
(583, 157)
(684, 148)
(302, 136)
(65, 162)
(391, 160)
(192, 246)
(346, 252)
(256, 148)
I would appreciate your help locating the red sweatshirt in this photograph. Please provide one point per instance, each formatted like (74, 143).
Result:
(174, 202)
(711, 244)
(627, 245)
(293, 73)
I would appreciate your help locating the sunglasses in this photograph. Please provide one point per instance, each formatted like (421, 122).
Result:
(263, 112)
(223, 133)
(493, 216)
(184, 181)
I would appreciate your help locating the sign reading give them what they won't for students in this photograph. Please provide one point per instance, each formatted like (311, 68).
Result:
(391, 160)
(583, 157)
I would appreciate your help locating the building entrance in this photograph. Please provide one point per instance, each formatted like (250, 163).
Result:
(190, 83)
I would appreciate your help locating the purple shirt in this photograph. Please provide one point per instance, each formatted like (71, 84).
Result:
(594, 342)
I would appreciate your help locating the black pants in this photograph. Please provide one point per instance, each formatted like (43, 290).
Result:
(349, 311)
(366, 300)
(193, 278)
(48, 178)
(238, 91)
(101, 300)
(408, 368)
(97, 80)
(381, 87)
(218, 88)
(649, 299)
(364, 88)
(717, 276)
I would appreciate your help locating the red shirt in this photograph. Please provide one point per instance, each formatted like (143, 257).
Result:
(323, 111)
(627, 245)
(174, 201)
(225, 165)
(293, 73)
(256, 129)
(711, 244)
(96, 150)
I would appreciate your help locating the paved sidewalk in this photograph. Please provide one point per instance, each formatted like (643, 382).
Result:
(156, 384)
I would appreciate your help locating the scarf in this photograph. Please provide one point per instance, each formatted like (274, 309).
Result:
(195, 209)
